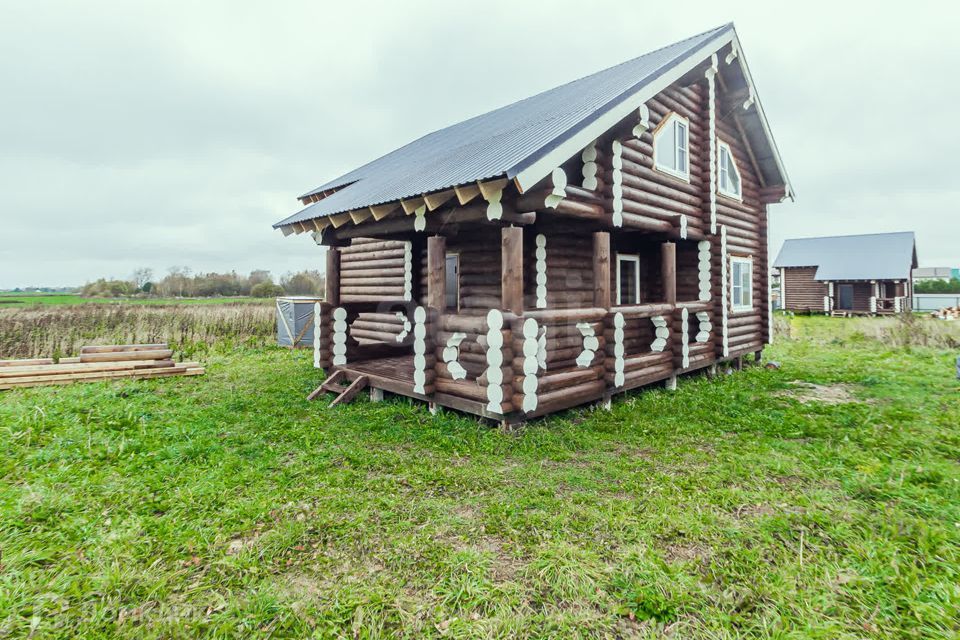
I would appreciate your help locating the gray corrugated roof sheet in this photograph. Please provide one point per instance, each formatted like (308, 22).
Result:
(876, 256)
(501, 142)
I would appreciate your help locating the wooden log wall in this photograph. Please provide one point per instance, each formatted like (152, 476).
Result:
(374, 270)
(479, 278)
(566, 271)
(803, 292)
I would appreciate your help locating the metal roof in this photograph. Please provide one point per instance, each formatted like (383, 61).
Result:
(876, 256)
(509, 140)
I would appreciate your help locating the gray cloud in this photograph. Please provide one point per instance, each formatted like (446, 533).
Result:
(158, 134)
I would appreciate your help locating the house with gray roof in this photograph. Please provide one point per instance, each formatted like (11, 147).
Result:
(859, 274)
(593, 238)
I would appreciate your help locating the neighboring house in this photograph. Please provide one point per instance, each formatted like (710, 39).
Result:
(594, 238)
(856, 274)
(929, 274)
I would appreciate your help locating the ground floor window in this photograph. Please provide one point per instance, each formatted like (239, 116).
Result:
(452, 302)
(628, 279)
(741, 285)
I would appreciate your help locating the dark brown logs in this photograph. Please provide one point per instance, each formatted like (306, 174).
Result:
(511, 281)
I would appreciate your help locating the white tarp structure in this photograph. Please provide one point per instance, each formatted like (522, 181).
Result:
(295, 321)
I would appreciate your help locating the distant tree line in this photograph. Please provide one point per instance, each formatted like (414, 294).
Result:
(181, 282)
(937, 286)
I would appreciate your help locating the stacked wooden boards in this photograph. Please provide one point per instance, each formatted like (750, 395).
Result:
(96, 363)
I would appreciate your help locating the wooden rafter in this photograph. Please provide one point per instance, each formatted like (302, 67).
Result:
(339, 219)
(489, 189)
(411, 205)
(435, 200)
(359, 215)
(381, 211)
(466, 193)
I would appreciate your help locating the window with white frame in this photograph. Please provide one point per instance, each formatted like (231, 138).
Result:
(628, 279)
(741, 283)
(671, 151)
(728, 182)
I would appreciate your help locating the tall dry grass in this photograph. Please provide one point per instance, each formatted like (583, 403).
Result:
(58, 331)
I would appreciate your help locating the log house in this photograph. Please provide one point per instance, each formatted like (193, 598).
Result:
(598, 237)
(848, 275)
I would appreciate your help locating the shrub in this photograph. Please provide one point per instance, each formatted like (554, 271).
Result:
(266, 290)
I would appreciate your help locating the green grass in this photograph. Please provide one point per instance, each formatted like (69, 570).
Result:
(10, 300)
(227, 506)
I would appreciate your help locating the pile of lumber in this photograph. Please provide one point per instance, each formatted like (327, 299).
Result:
(96, 363)
(948, 313)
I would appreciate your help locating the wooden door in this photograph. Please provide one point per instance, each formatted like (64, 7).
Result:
(845, 297)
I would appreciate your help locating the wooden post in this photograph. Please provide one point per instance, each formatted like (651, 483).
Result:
(332, 277)
(437, 272)
(511, 274)
(601, 270)
(668, 271)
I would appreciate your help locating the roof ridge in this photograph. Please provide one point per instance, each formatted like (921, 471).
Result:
(853, 235)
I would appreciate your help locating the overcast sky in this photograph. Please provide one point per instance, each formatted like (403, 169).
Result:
(141, 134)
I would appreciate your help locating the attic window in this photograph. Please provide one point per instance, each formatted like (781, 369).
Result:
(729, 180)
(671, 146)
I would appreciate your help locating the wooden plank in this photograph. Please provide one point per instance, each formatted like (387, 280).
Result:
(122, 347)
(29, 362)
(332, 277)
(511, 274)
(54, 369)
(601, 270)
(120, 356)
(435, 200)
(33, 381)
(466, 193)
(436, 272)
(350, 392)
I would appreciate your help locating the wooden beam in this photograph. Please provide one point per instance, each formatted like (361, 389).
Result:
(601, 269)
(436, 272)
(511, 274)
(668, 271)
(359, 215)
(339, 219)
(435, 200)
(466, 193)
(332, 277)
(381, 211)
(411, 205)
(490, 189)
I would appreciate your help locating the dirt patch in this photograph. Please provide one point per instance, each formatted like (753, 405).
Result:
(807, 392)
(686, 552)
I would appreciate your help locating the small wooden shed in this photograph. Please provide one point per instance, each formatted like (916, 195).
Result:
(856, 275)
(594, 238)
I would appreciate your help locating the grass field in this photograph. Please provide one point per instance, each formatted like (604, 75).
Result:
(12, 300)
(821, 500)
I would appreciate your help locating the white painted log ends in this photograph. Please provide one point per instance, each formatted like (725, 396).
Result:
(618, 350)
(407, 270)
(559, 180)
(531, 364)
(494, 372)
(451, 355)
(419, 349)
(660, 333)
(724, 284)
(494, 208)
(590, 344)
(704, 327)
(643, 121)
(703, 270)
(317, 332)
(710, 74)
(589, 158)
(419, 219)
(684, 338)
(541, 270)
(617, 187)
(405, 324)
(339, 348)
(683, 226)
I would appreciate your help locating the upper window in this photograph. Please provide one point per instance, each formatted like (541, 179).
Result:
(741, 285)
(728, 181)
(671, 146)
(628, 279)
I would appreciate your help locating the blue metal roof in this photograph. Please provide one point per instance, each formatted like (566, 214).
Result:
(502, 142)
(875, 256)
